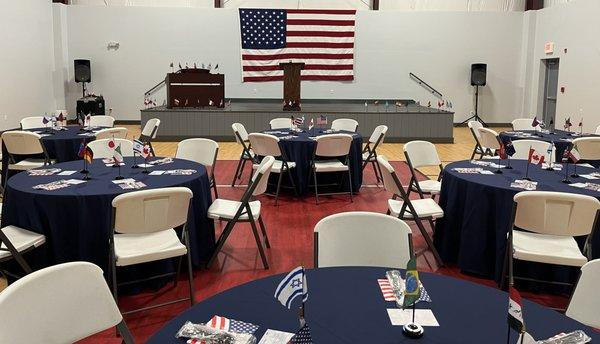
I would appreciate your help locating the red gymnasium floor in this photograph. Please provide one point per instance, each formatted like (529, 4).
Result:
(290, 230)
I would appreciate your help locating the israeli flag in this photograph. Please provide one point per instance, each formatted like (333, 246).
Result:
(293, 285)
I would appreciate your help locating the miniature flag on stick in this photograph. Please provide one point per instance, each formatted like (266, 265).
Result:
(573, 154)
(311, 124)
(568, 124)
(515, 312)
(303, 336)
(118, 154)
(292, 286)
(412, 291)
(535, 122)
(535, 157)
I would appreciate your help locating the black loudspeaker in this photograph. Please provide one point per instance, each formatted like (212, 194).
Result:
(478, 74)
(83, 71)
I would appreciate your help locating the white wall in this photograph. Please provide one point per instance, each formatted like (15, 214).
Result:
(437, 46)
(573, 26)
(26, 60)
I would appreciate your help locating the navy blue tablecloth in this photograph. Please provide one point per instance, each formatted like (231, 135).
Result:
(345, 305)
(77, 220)
(300, 149)
(477, 211)
(561, 139)
(62, 145)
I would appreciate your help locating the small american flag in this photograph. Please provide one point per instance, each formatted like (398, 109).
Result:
(303, 336)
(298, 121)
(322, 39)
(231, 325)
(386, 289)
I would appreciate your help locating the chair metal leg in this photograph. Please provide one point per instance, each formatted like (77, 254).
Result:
(114, 277)
(263, 257)
(124, 332)
(350, 184)
(292, 181)
(278, 187)
(316, 188)
(375, 170)
(190, 272)
(214, 185)
(237, 171)
(380, 173)
(264, 231)
(429, 242)
(221, 242)
(242, 169)
(178, 271)
(473, 154)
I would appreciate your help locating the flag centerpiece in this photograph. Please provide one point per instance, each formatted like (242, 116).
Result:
(322, 39)
(412, 293)
(293, 285)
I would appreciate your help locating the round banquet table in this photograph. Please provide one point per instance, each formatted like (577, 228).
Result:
(562, 140)
(77, 219)
(477, 212)
(300, 149)
(345, 305)
(61, 145)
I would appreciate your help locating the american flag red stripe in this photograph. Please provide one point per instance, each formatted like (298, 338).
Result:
(386, 290)
(322, 39)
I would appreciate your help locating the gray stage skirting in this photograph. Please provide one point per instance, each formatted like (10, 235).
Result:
(405, 123)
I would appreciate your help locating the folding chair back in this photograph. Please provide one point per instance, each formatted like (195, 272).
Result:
(391, 183)
(102, 121)
(362, 239)
(202, 151)
(588, 147)
(346, 124)
(522, 149)
(60, 304)
(239, 132)
(151, 128)
(281, 123)
(585, 303)
(555, 213)
(474, 126)
(378, 134)
(264, 144)
(422, 153)
(488, 138)
(118, 132)
(32, 122)
(333, 145)
(149, 211)
(22, 142)
(522, 124)
(261, 176)
(102, 151)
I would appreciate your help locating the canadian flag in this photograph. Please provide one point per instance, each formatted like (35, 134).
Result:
(535, 157)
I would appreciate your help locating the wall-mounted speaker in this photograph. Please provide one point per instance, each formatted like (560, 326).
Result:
(83, 71)
(478, 74)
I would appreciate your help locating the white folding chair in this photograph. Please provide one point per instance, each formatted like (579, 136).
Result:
(423, 154)
(588, 147)
(245, 210)
(345, 124)
(16, 241)
(118, 132)
(362, 239)
(143, 231)
(333, 147)
(241, 137)
(369, 154)
(489, 139)
(60, 304)
(32, 122)
(411, 210)
(280, 123)
(597, 130)
(522, 149)
(522, 124)
(202, 151)
(102, 121)
(102, 151)
(149, 133)
(24, 143)
(479, 149)
(585, 303)
(548, 223)
(268, 145)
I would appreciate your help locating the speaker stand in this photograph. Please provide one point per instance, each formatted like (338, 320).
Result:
(476, 115)
(83, 84)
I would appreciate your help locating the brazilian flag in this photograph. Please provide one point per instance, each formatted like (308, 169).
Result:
(412, 290)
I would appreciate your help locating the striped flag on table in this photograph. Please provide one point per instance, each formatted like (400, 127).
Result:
(322, 39)
(386, 289)
(230, 325)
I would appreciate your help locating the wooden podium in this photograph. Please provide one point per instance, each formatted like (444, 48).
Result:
(195, 88)
(291, 85)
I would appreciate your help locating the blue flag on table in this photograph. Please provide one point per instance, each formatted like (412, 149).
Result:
(138, 146)
(509, 148)
(292, 286)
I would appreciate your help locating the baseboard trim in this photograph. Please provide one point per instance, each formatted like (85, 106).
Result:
(232, 139)
(128, 121)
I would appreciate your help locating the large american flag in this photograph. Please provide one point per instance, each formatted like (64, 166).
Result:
(322, 39)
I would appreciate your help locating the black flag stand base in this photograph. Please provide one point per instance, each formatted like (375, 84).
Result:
(413, 330)
(119, 177)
